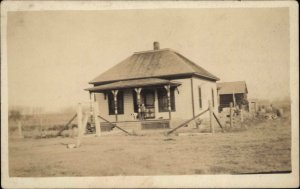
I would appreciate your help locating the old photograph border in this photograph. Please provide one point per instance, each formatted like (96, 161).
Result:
(255, 180)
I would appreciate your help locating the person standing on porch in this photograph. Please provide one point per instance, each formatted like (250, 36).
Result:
(143, 111)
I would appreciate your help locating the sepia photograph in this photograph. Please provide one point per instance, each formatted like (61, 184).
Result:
(149, 94)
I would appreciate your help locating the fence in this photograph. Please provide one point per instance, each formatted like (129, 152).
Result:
(44, 124)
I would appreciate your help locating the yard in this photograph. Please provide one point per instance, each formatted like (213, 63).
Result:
(264, 147)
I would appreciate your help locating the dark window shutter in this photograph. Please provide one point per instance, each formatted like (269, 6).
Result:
(173, 99)
(111, 105)
(120, 103)
(135, 104)
(120, 98)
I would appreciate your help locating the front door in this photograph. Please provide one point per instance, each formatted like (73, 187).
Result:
(147, 103)
(148, 100)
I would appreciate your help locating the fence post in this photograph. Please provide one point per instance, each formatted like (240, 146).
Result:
(20, 129)
(242, 115)
(42, 133)
(231, 115)
(40, 123)
(211, 117)
(96, 119)
(81, 131)
(242, 120)
(79, 121)
(84, 123)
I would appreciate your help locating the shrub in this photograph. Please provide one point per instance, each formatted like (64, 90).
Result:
(14, 115)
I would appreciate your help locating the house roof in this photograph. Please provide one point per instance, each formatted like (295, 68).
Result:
(154, 63)
(133, 83)
(232, 87)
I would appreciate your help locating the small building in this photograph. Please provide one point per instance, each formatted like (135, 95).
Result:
(157, 87)
(232, 92)
(253, 105)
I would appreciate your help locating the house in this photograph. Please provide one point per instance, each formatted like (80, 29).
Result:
(158, 87)
(232, 92)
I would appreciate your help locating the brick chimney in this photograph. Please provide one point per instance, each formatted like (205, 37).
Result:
(155, 45)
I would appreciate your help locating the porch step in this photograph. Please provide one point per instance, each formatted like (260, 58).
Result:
(130, 125)
(105, 127)
(163, 124)
(137, 125)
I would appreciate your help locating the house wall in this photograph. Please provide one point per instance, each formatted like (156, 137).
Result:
(128, 107)
(183, 102)
(206, 94)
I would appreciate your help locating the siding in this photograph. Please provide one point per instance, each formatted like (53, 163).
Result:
(206, 87)
(128, 107)
(183, 102)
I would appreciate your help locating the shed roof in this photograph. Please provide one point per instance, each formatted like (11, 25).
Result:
(133, 83)
(154, 63)
(232, 87)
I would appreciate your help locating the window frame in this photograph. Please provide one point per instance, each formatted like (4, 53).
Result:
(213, 97)
(200, 97)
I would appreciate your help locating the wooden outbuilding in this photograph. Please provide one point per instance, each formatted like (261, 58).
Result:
(232, 92)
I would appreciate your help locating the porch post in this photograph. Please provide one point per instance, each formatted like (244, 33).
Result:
(115, 93)
(211, 117)
(234, 101)
(94, 97)
(167, 87)
(91, 107)
(79, 121)
(138, 96)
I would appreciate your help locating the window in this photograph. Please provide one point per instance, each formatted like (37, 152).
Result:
(200, 97)
(213, 99)
(120, 103)
(163, 99)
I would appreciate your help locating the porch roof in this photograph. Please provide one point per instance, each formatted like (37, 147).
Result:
(133, 84)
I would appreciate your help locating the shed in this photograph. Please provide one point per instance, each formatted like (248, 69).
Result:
(232, 92)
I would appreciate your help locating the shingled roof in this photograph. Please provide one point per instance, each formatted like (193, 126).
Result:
(154, 63)
(232, 87)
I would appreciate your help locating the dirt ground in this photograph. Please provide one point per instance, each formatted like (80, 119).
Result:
(264, 147)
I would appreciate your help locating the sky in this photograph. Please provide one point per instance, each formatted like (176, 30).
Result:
(52, 55)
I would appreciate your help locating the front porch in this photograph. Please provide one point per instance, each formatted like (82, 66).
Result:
(141, 104)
